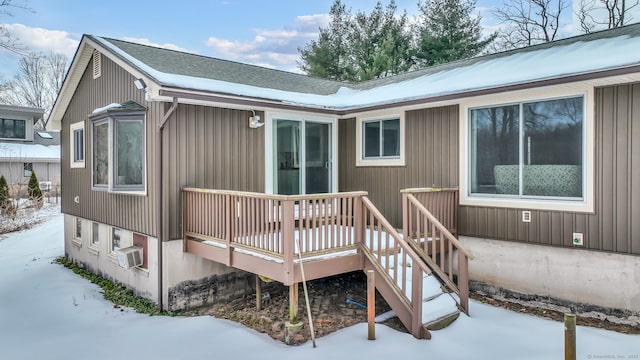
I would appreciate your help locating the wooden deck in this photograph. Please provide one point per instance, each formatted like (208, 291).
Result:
(275, 236)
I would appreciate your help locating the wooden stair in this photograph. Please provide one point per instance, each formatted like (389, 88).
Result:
(416, 280)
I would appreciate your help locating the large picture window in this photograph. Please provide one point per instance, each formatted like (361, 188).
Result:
(528, 150)
(118, 138)
(13, 129)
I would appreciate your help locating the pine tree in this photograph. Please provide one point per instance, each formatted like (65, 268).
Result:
(448, 32)
(359, 47)
(380, 43)
(4, 194)
(327, 57)
(35, 193)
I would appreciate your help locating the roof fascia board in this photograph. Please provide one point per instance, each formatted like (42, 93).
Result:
(221, 99)
(80, 61)
(243, 103)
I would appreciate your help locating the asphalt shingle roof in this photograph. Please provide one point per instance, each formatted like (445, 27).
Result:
(181, 63)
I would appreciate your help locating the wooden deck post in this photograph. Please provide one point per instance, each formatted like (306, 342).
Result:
(463, 280)
(258, 293)
(288, 241)
(416, 302)
(293, 303)
(569, 337)
(371, 304)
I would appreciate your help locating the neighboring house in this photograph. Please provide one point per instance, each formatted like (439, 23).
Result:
(542, 142)
(24, 149)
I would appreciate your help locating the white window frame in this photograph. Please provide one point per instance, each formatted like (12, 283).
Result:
(73, 163)
(95, 234)
(25, 171)
(111, 183)
(270, 166)
(584, 205)
(112, 234)
(77, 239)
(381, 161)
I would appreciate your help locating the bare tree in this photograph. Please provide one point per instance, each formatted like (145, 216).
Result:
(528, 22)
(37, 83)
(608, 14)
(8, 41)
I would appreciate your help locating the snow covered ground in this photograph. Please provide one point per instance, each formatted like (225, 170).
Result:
(47, 312)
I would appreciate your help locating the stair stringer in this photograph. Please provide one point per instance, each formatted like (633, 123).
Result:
(394, 297)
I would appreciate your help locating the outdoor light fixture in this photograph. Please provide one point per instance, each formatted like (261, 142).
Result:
(140, 84)
(254, 121)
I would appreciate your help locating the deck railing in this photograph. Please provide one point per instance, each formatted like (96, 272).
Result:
(429, 224)
(288, 230)
(279, 227)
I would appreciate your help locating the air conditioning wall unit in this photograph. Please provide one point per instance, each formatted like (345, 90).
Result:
(130, 257)
(45, 185)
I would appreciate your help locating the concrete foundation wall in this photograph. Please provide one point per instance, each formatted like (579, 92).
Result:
(192, 281)
(576, 275)
(98, 258)
(188, 281)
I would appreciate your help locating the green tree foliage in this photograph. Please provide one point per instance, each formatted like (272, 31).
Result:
(381, 43)
(448, 32)
(4, 191)
(328, 56)
(34, 190)
(359, 47)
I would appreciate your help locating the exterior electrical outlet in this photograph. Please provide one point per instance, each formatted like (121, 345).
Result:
(578, 239)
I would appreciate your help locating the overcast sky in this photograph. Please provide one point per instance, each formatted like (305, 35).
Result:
(259, 32)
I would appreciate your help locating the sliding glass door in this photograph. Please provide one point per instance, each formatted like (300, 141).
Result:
(302, 157)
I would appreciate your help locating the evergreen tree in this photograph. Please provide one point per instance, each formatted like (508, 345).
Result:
(35, 193)
(380, 43)
(4, 193)
(328, 56)
(448, 32)
(359, 47)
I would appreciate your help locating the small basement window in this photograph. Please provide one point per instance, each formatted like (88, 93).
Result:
(115, 240)
(27, 169)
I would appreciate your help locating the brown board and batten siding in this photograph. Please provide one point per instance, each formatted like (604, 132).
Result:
(615, 225)
(131, 212)
(431, 160)
(210, 148)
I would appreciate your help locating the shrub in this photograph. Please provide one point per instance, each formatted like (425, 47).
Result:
(35, 194)
(6, 204)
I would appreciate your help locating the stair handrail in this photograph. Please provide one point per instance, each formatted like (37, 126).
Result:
(418, 267)
(464, 255)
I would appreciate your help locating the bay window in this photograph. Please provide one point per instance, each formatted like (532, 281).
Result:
(528, 150)
(118, 138)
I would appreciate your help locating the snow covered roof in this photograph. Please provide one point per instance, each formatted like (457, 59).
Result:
(33, 152)
(592, 56)
(564, 58)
